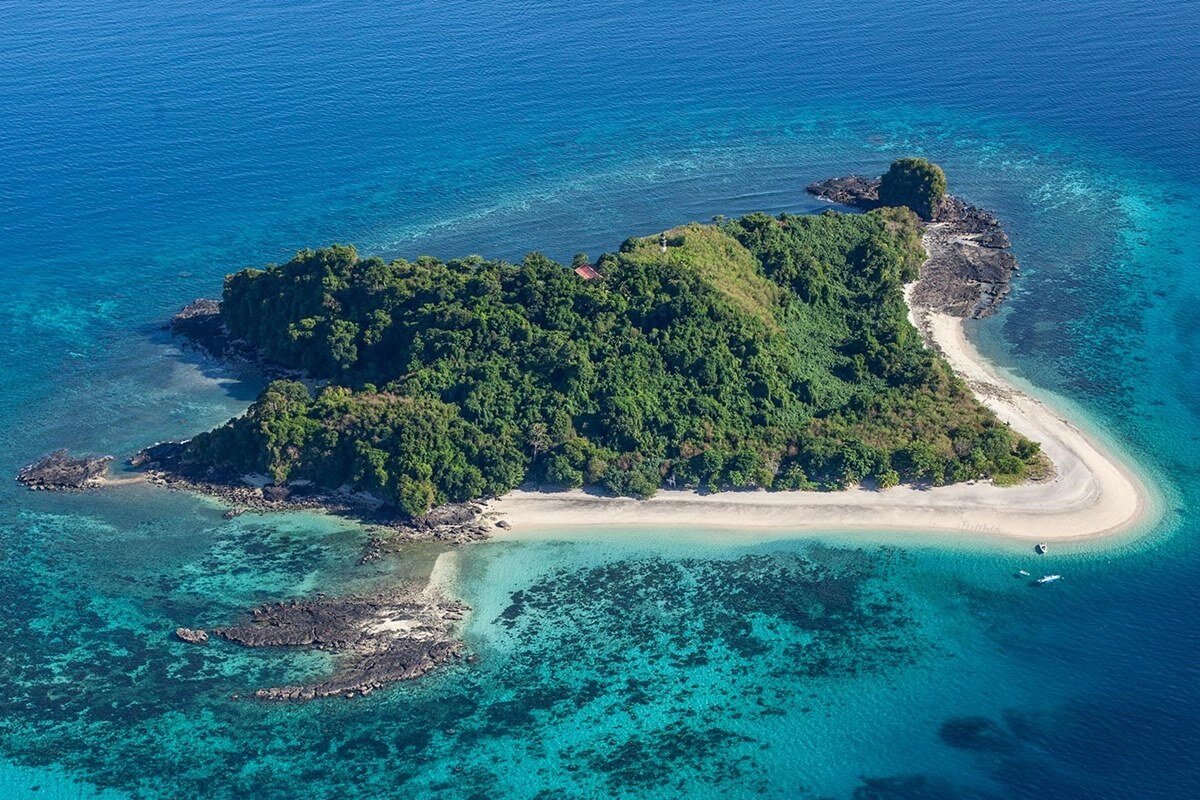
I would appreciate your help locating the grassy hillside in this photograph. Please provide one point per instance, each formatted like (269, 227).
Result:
(761, 352)
(718, 259)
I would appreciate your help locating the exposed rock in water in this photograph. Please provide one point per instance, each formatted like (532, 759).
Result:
(453, 523)
(167, 464)
(852, 190)
(165, 454)
(199, 315)
(963, 277)
(191, 636)
(199, 324)
(381, 640)
(970, 268)
(59, 471)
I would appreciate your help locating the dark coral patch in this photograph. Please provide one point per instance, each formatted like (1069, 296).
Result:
(977, 734)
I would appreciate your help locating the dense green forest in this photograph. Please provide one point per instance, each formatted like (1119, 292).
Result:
(758, 352)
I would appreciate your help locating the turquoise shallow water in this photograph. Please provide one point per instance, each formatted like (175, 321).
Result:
(148, 151)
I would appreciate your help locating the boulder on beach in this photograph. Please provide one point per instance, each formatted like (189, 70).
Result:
(274, 492)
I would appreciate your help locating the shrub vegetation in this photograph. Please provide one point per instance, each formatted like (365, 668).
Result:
(914, 183)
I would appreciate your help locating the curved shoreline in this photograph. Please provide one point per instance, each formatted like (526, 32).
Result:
(1091, 494)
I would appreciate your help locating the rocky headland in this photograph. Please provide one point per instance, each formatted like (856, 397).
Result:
(198, 325)
(970, 266)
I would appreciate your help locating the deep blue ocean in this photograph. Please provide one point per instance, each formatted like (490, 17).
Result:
(147, 149)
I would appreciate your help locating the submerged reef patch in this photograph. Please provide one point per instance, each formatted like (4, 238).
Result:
(648, 675)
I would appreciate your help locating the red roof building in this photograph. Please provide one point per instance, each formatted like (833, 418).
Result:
(586, 272)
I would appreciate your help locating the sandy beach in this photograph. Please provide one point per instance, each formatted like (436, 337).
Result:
(1091, 494)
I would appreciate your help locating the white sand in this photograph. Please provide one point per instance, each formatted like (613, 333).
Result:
(1091, 494)
(124, 480)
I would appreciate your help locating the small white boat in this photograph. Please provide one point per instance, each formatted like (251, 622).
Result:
(1023, 573)
(1049, 579)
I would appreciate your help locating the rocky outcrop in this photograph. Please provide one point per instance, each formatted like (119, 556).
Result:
(60, 471)
(167, 464)
(200, 326)
(963, 276)
(852, 190)
(160, 454)
(380, 640)
(275, 493)
(454, 523)
(199, 322)
(970, 267)
(191, 635)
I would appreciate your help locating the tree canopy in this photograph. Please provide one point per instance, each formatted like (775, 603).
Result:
(760, 352)
(915, 183)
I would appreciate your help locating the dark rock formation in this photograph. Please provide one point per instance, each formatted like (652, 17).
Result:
(59, 471)
(852, 190)
(200, 326)
(275, 493)
(453, 522)
(167, 464)
(381, 640)
(970, 268)
(972, 220)
(200, 323)
(448, 514)
(191, 636)
(166, 454)
(199, 316)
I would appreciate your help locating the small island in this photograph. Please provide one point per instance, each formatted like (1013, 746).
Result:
(790, 372)
(61, 471)
(755, 353)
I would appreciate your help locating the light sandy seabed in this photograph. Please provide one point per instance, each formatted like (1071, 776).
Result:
(1092, 492)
